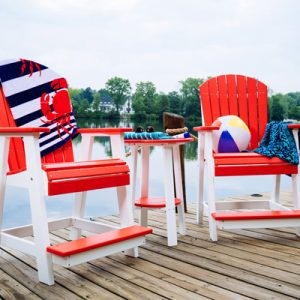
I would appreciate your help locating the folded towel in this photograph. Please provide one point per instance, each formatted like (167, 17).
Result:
(279, 141)
(146, 136)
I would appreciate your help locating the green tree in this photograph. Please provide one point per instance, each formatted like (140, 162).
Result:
(277, 110)
(144, 97)
(190, 96)
(175, 103)
(96, 102)
(119, 90)
(161, 104)
(87, 94)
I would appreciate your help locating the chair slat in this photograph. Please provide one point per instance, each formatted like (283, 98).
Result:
(223, 95)
(253, 111)
(16, 160)
(262, 108)
(205, 104)
(232, 95)
(242, 98)
(214, 100)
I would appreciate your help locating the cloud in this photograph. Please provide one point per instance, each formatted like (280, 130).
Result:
(161, 41)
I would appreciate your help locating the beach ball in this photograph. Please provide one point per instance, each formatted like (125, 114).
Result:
(233, 135)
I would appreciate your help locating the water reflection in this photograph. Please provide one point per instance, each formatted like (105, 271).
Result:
(104, 202)
(190, 148)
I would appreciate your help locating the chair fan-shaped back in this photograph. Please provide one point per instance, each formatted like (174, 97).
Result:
(27, 93)
(238, 95)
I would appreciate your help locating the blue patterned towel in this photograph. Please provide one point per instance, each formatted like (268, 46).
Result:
(146, 136)
(279, 141)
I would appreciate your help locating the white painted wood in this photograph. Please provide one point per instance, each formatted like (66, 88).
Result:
(20, 244)
(210, 176)
(134, 155)
(4, 146)
(261, 223)
(276, 189)
(200, 191)
(92, 226)
(179, 188)
(145, 171)
(27, 230)
(38, 209)
(169, 196)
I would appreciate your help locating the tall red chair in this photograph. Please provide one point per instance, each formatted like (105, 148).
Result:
(247, 98)
(32, 94)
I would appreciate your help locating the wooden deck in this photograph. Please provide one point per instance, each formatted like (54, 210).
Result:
(244, 264)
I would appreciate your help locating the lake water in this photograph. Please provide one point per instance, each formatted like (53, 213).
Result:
(104, 202)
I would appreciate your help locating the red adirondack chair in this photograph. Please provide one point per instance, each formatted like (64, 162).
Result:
(57, 173)
(245, 97)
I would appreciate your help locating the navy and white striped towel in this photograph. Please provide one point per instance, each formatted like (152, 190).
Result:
(38, 97)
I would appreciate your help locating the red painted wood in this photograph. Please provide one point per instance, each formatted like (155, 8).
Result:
(242, 98)
(232, 95)
(87, 183)
(253, 111)
(223, 96)
(104, 130)
(99, 240)
(246, 159)
(23, 129)
(294, 126)
(154, 202)
(205, 103)
(68, 151)
(16, 159)
(262, 91)
(170, 141)
(206, 128)
(256, 215)
(82, 164)
(87, 172)
(214, 101)
(253, 169)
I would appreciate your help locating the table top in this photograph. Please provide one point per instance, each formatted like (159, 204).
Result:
(159, 142)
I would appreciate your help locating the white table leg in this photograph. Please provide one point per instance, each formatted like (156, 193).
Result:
(169, 195)
(179, 189)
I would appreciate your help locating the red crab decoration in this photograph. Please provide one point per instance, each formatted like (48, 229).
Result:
(28, 63)
(57, 109)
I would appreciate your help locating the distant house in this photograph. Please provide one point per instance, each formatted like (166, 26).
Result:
(105, 101)
(127, 107)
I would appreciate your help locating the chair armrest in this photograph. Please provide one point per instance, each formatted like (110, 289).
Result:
(294, 126)
(206, 128)
(103, 131)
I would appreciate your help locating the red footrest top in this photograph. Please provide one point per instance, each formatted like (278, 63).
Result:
(154, 202)
(253, 215)
(98, 240)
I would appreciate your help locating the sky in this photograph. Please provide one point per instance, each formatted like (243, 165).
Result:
(162, 41)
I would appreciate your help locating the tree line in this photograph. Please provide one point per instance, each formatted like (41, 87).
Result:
(146, 103)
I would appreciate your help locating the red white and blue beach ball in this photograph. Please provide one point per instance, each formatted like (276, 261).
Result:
(233, 135)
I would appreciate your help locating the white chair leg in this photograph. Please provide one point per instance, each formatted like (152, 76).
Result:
(275, 192)
(210, 172)
(296, 195)
(212, 208)
(38, 211)
(126, 214)
(4, 145)
(200, 190)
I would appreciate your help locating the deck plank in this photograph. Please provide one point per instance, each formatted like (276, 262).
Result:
(243, 264)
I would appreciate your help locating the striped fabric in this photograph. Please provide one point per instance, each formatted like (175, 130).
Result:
(38, 97)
